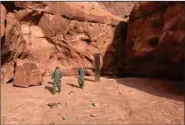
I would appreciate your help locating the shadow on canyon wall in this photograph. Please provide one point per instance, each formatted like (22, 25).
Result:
(157, 84)
(114, 56)
(10, 6)
(5, 52)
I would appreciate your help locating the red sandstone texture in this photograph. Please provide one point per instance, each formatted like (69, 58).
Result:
(155, 38)
(27, 74)
(66, 34)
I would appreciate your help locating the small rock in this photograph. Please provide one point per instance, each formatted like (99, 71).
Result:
(64, 118)
(71, 93)
(94, 104)
(52, 123)
(53, 104)
(94, 115)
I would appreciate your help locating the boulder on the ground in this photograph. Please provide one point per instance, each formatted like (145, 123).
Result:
(27, 74)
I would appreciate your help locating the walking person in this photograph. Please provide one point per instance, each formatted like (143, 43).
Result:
(81, 76)
(56, 76)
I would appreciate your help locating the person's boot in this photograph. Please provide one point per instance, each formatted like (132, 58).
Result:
(54, 92)
(59, 90)
(81, 86)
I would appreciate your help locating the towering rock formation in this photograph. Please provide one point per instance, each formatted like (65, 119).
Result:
(64, 34)
(43, 35)
(156, 34)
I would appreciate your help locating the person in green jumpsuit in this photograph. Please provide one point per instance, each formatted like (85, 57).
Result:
(56, 76)
(81, 77)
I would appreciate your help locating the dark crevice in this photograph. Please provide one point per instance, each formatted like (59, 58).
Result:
(10, 6)
(2, 42)
(88, 41)
(5, 57)
(5, 23)
(14, 66)
(23, 55)
(33, 18)
(113, 60)
(154, 42)
(157, 24)
(10, 81)
(68, 33)
(131, 44)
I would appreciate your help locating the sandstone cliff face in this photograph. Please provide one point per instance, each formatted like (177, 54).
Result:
(155, 39)
(64, 34)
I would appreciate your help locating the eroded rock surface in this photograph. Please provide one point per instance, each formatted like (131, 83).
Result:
(64, 34)
(155, 39)
(27, 74)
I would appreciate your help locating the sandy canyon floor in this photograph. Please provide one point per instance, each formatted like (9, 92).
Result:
(111, 101)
